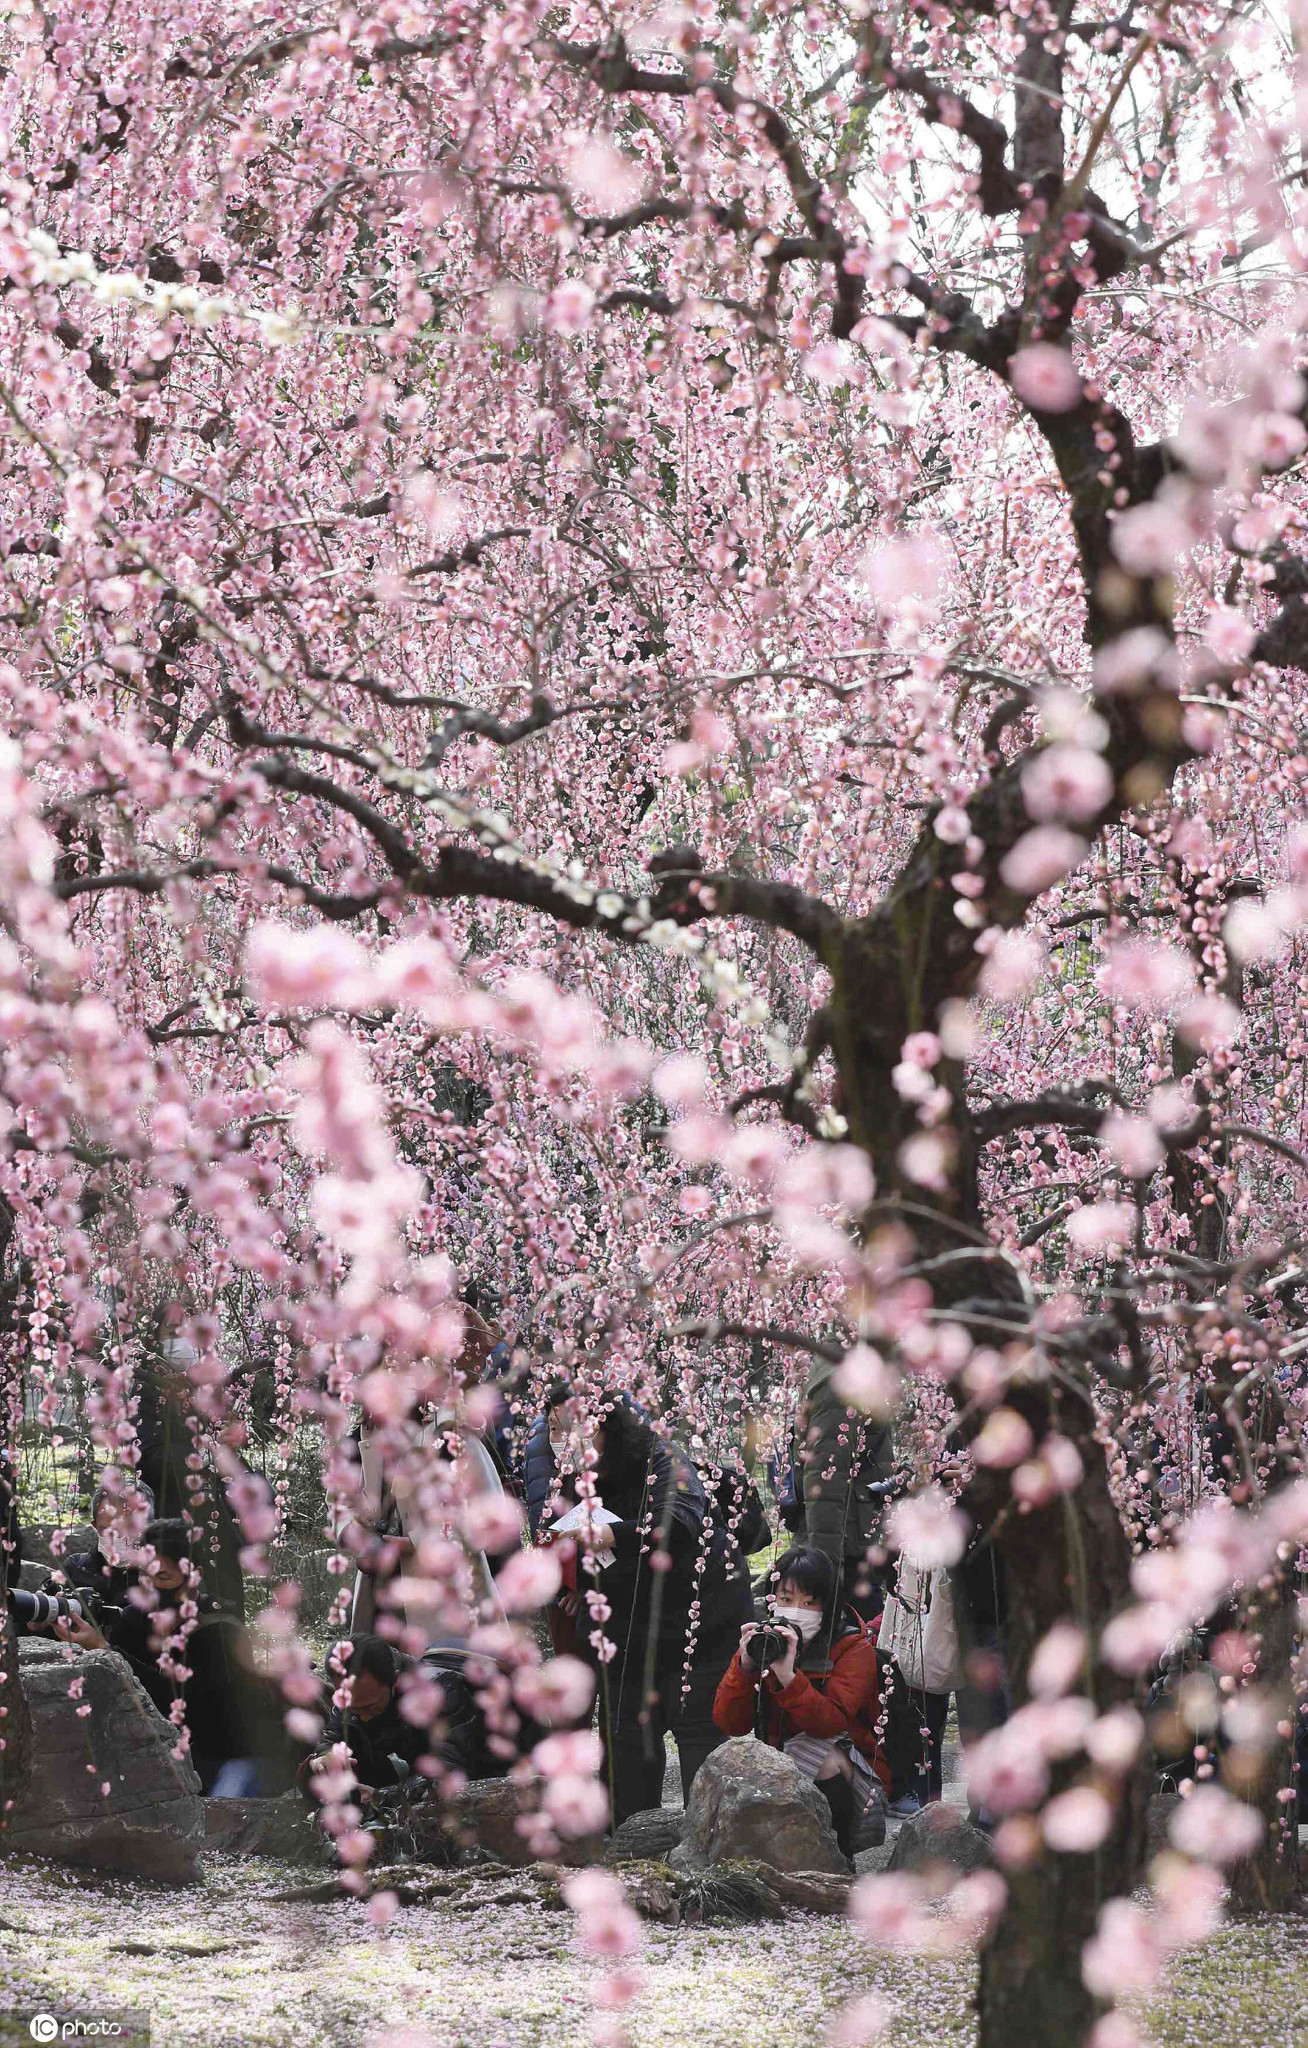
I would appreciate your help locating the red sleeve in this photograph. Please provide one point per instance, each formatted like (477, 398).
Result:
(736, 1701)
(851, 1683)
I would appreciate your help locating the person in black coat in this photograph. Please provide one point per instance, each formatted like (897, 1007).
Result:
(384, 1747)
(11, 1535)
(233, 1717)
(89, 1571)
(662, 1679)
(546, 1451)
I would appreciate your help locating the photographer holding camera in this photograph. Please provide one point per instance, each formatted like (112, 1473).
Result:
(820, 1709)
(120, 1508)
(233, 1715)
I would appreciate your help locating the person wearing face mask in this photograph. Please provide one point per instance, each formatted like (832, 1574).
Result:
(821, 1709)
(547, 1453)
(550, 1457)
(672, 1596)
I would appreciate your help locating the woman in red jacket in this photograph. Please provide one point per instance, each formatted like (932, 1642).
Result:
(824, 1716)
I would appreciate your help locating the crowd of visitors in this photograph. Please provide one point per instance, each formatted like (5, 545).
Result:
(813, 1655)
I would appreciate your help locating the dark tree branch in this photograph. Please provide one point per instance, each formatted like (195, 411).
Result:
(1069, 1108)
(609, 67)
(542, 715)
(792, 1340)
(684, 893)
(151, 882)
(997, 187)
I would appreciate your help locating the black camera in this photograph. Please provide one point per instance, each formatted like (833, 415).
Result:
(34, 1612)
(766, 1646)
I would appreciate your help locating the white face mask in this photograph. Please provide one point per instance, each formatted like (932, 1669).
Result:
(559, 1446)
(802, 1618)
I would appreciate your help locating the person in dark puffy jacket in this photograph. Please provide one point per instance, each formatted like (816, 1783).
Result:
(546, 1451)
(384, 1747)
(89, 1571)
(843, 1466)
(735, 1505)
(232, 1714)
(663, 1553)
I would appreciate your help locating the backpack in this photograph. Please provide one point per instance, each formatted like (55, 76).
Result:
(465, 1743)
(734, 1501)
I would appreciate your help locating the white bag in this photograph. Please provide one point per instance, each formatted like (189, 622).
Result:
(905, 1611)
(942, 1653)
(924, 1630)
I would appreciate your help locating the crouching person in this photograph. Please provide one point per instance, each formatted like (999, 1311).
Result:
(384, 1747)
(819, 1707)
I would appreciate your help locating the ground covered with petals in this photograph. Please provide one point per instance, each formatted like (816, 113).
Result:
(228, 1963)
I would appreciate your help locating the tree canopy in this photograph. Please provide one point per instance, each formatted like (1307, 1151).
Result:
(653, 657)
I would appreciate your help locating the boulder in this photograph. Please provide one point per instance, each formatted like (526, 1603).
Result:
(941, 1834)
(149, 1822)
(485, 1816)
(38, 1544)
(646, 1837)
(749, 1804)
(284, 1829)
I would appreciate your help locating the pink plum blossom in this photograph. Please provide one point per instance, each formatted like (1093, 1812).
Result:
(1122, 1955)
(1230, 634)
(1063, 781)
(868, 1382)
(860, 2024)
(1251, 931)
(929, 1528)
(1132, 1143)
(1115, 1739)
(1149, 539)
(1057, 1660)
(560, 1690)
(306, 970)
(1012, 964)
(1040, 858)
(1102, 1226)
(1045, 377)
(1146, 974)
(528, 1580)
(1077, 1821)
(1213, 1827)
(1005, 1439)
(889, 1910)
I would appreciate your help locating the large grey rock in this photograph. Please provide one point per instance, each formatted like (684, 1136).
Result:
(646, 1837)
(485, 1816)
(284, 1829)
(749, 1803)
(38, 1545)
(940, 1834)
(150, 1822)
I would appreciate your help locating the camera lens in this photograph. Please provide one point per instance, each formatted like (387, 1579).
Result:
(36, 1611)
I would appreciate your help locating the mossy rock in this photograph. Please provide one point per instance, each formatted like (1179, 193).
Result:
(737, 1892)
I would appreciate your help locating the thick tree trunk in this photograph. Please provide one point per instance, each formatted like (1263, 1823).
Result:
(166, 1443)
(1068, 1560)
(1268, 1882)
